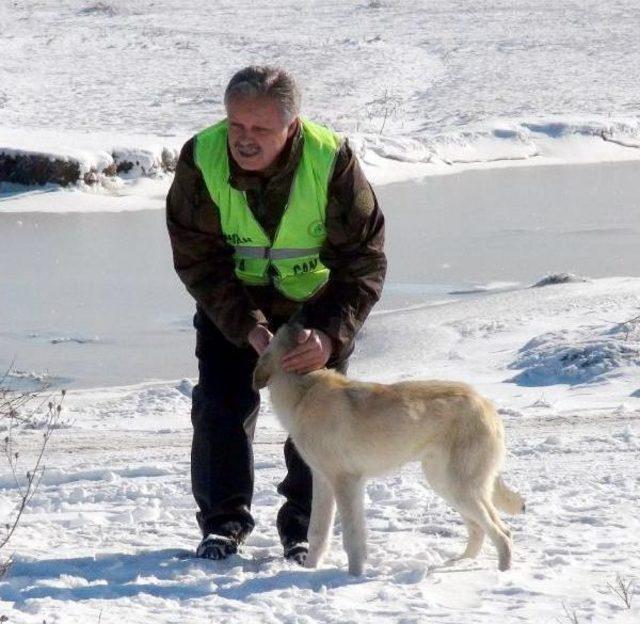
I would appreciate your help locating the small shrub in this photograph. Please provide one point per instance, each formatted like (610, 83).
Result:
(20, 411)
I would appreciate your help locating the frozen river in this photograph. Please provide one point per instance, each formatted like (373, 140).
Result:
(92, 298)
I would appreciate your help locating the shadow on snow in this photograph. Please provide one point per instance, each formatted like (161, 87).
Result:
(168, 574)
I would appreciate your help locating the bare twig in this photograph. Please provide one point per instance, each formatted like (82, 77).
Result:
(570, 616)
(541, 401)
(34, 475)
(385, 106)
(12, 404)
(6, 373)
(623, 588)
(629, 324)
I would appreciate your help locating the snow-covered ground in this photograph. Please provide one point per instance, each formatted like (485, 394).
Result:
(427, 65)
(421, 88)
(110, 534)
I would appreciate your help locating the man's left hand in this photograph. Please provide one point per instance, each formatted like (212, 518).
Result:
(312, 353)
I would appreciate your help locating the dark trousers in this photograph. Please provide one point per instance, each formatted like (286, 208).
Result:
(224, 412)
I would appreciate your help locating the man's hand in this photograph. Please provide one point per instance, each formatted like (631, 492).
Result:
(259, 338)
(313, 352)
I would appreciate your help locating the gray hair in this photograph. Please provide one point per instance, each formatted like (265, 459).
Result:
(272, 82)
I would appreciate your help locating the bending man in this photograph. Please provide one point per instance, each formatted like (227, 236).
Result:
(270, 217)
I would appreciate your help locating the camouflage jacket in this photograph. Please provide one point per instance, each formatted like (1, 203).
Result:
(353, 250)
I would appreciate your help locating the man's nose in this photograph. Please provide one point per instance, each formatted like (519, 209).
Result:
(245, 136)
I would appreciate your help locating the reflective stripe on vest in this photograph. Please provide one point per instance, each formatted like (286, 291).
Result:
(294, 253)
(272, 254)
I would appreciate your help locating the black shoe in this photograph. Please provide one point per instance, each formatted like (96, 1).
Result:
(222, 541)
(215, 546)
(296, 551)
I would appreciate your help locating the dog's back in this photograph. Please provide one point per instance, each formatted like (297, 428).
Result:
(372, 428)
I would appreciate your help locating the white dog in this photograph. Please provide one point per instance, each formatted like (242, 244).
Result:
(348, 430)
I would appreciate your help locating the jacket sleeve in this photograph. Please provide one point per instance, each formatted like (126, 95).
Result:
(354, 253)
(201, 256)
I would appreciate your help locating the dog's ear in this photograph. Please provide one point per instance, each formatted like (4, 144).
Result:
(262, 372)
(292, 332)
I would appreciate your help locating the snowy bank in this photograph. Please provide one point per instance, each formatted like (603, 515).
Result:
(29, 157)
(38, 157)
(499, 143)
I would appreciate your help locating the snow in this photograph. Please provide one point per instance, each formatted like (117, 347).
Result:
(111, 529)
(588, 354)
(422, 89)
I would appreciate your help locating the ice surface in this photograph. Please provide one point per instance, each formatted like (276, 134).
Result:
(91, 300)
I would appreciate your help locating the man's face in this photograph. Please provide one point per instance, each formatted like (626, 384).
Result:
(257, 133)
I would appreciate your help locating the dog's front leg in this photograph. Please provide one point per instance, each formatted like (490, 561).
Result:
(349, 490)
(323, 509)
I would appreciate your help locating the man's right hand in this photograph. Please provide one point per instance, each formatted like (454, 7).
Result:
(259, 338)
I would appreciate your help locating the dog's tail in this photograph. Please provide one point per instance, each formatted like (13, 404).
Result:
(507, 500)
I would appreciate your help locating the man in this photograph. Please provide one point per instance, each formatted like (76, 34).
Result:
(270, 217)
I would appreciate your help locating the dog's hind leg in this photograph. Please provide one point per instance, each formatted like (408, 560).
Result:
(435, 470)
(473, 509)
(493, 512)
(349, 491)
(483, 513)
(474, 542)
(323, 508)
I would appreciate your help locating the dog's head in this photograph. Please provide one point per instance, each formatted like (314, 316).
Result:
(270, 362)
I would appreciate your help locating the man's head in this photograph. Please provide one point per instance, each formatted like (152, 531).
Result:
(263, 104)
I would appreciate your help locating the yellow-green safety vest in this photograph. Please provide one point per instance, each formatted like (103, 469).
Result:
(294, 252)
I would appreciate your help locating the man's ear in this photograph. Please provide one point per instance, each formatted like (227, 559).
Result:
(293, 127)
